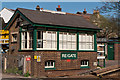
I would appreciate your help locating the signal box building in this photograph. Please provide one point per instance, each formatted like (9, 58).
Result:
(51, 44)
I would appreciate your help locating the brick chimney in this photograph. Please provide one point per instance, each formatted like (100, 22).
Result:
(97, 13)
(37, 8)
(84, 12)
(59, 9)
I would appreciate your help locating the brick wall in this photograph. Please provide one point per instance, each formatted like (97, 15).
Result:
(62, 66)
(117, 51)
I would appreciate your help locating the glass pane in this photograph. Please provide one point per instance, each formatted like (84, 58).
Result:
(53, 36)
(49, 44)
(69, 45)
(44, 44)
(64, 45)
(49, 36)
(48, 63)
(80, 38)
(69, 37)
(64, 37)
(53, 44)
(73, 37)
(73, 45)
(44, 35)
(60, 36)
(60, 45)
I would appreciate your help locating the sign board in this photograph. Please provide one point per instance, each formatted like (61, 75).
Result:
(68, 55)
(28, 59)
(95, 63)
(100, 57)
(35, 57)
(38, 58)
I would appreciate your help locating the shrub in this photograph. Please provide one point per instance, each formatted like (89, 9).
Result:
(27, 74)
(14, 71)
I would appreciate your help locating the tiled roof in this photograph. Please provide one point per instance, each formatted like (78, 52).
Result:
(47, 18)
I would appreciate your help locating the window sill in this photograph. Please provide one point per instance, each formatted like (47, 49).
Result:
(50, 68)
(14, 42)
(85, 67)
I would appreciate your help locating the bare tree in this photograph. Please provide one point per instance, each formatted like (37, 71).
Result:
(111, 23)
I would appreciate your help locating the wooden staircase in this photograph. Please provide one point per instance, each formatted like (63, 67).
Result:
(105, 71)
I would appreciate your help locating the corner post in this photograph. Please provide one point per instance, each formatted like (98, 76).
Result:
(77, 41)
(57, 40)
(95, 43)
(20, 29)
(34, 39)
(104, 55)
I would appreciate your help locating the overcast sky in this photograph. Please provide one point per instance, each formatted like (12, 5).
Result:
(55, 0)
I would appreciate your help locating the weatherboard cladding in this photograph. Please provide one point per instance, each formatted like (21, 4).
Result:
(46, 18)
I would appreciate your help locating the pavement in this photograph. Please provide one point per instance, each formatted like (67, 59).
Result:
(109, 63)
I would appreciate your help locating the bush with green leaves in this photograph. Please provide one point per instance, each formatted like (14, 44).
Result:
(14, 71)
(27, 74)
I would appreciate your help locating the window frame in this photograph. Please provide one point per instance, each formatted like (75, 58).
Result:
(46, 34)
(83, 63)
(49, 61)
(85, 42)
(14, 33)
(61, 41)
(28, 38)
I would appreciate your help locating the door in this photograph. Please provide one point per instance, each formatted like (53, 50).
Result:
(110, 51)
(27, 65)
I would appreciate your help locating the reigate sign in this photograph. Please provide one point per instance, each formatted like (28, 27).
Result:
(68, 55)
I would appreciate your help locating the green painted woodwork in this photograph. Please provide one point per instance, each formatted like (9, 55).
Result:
(104, 63)
(85, 67)
(98, 62)
(64, 50)
(20, 50)
(34, 39)
(15, 15)
(68, 55)
(110, 51)
(57, 40)
(104, 55)
(77, 41)
(20, 29)
(50, 68)
(66, 27)
(104, 50)
(95, 43)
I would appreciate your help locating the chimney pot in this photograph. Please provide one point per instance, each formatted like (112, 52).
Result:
(59, 9)
(37, 8)
(84, 12)
(58, 6)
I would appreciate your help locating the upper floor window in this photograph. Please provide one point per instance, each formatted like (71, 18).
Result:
(14, 37)
(67, 41)
(46, 40)
(86, 42)
(26, 40)
(50, 64)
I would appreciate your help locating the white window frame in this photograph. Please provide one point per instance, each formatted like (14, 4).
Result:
(23, 39)
(85, 42)
(61, 41)
(50, 61)
(83, 63)
(45, 37)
